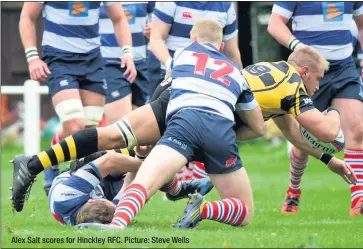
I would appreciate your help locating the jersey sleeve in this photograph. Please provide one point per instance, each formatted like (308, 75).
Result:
(285, 9)
(230, 30)
(67, 198)
(358, 8)
(165, 11)
(298, 103)
(246, 100)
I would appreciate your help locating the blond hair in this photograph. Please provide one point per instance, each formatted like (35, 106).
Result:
(308, 56)
(97, 211)
(208, 30)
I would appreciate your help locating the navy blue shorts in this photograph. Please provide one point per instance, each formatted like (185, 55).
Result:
(154, 72)
(118, 86)
(342, 82)
(76, 71)
(206, 137)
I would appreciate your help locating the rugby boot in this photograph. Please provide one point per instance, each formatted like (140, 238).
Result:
(202, 186)
(192, 213)
(22, 181)
(291, 202)
(357, 209)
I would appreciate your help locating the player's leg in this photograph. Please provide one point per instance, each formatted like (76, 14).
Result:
(144, 131)
(224, 167)
(352, 125)
(162, 163)
(173, 151)
(298, 163)
(145, 123)
(66, 99)
(118, 98)
(92, 96)
(348, 98)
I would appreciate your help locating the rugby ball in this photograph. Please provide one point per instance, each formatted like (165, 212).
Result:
(324, 147)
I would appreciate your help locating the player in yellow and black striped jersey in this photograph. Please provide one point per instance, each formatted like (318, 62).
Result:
(283, 91)
(278, 88)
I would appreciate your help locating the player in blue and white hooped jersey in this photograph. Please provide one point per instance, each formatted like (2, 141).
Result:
(200, 126)
(174, 21)
(90, 194)
(121, 93)
(71, 63)
(326, 26)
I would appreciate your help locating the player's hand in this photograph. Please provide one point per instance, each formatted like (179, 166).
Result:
(147, 31)
(130, 72)
(343, 169)
(38, 70)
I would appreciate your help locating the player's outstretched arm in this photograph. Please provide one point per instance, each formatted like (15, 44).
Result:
(231, 49)
(38, 70)
(123, 36)
(278, 29)
(323, 127)
(290, 129)
(157, 40)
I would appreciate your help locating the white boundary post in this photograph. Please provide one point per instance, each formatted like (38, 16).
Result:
(31, 117)
(31, 92)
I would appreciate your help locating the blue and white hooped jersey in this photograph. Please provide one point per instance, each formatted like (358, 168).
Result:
(138, 14)
(356, 44)
(183, 15)
(324, 25)
(204, 79)
(69, 193)
(71, 27)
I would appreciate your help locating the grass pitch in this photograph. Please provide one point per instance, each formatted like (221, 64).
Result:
(323, 220)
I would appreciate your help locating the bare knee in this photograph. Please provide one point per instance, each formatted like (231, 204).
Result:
(354, 134)
(72, 126)
(299, 154)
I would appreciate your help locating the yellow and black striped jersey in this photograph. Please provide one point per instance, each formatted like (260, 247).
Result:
(278, 88)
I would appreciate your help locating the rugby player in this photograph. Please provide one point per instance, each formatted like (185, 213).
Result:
(206, 87)
(174, 21)
(89, 191)
(123, 94)
(72, 66)
(326, 26)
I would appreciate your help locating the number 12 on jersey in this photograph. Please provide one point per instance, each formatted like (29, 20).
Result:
(201, 68)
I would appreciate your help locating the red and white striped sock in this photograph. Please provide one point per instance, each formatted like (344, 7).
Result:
(199, 170)
(355, 159)
(173, 187)
(56, 139)
(129, 205)
(297, 167)
(230, 211)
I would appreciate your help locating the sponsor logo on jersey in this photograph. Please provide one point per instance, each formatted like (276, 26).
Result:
(333, 11)
(187, 15)
(130, 13)
(78, 9)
